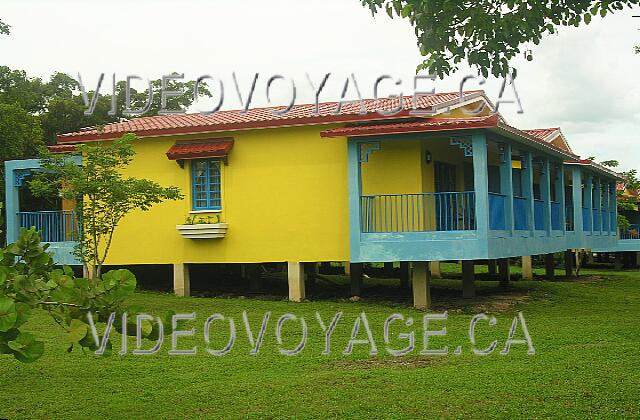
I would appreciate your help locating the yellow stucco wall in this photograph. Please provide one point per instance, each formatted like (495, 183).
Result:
(284, 198)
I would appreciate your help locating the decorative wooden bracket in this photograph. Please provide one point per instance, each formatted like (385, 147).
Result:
(365, 149)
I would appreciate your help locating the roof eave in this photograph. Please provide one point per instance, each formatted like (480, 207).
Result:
(529, 140)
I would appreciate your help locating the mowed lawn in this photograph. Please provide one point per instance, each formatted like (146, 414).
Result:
(586, 334)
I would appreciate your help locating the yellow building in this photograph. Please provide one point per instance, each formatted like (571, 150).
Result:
(320, 184)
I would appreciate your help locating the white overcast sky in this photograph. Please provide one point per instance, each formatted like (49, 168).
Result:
(583, 79)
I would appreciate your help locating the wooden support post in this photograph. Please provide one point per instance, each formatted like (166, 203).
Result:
(355, 272)
(505, 274)
(568, 263)
(295, 275)
(388, 270)
(420, 279)
(434, 267)
(405, 274)
(527, 267)
(468, 277)
(181, 280)
(491, 267)
(550, 267)
(347, 268)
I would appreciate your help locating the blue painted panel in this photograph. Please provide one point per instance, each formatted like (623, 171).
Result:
(625, 245)
(596, 220)
(556, 216)
(497, 203)
(538, 214)
(586, 219)
(520, 213)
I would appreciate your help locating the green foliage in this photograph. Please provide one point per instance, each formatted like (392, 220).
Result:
(103, 195)
(20, 133)
(585, 332)
(194, 219)
(487, 33)
(4, 28)
(20, 137)
(60, 108)
(28, 280)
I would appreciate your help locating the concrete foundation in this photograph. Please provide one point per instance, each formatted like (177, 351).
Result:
(295, 276)
(420, 279)
(181, 280)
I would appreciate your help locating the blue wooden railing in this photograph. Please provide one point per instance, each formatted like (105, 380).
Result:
(54, 226)
(520, 213)
(422, 212)
(497, 210)
(633, 232)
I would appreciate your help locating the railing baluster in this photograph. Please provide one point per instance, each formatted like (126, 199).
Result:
(381, 213)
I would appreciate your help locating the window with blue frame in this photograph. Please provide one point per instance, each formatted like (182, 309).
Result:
(205, 184)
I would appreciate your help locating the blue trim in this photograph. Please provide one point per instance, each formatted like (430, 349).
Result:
(506, 186)
(481, 182)
(206, 191)
(355, 191)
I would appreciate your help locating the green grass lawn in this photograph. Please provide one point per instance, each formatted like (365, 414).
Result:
(585, 332)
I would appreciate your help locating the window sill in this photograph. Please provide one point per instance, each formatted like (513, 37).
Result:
(205, 211)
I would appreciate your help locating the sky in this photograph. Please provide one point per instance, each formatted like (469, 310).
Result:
(582, 79)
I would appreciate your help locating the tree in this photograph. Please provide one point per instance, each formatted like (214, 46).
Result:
(20, 133)
(4, 28)
(20, 137)
(103, 195)
(59, 104)
(28, 280)
(487, 33)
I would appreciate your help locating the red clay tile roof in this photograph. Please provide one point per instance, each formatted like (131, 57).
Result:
(542, 133)
(200, 149)
(265, 118)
